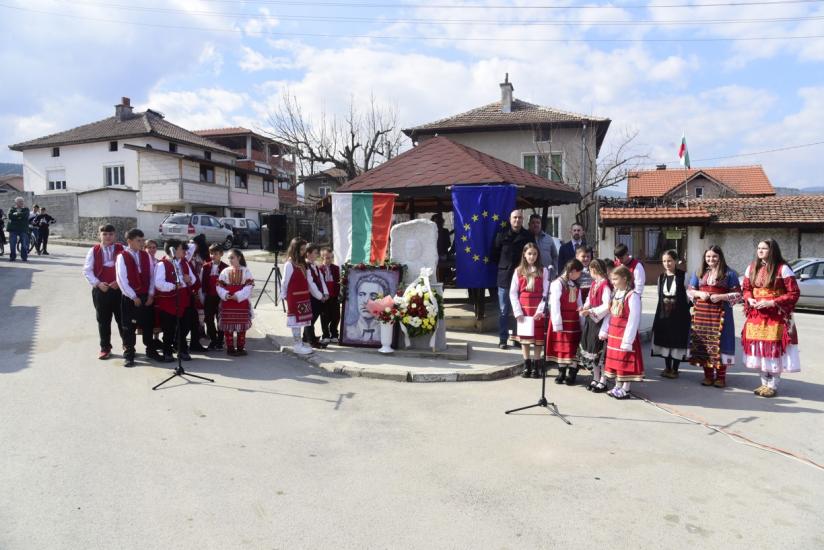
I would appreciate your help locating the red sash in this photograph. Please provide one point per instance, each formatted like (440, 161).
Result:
(105, 273)
(169, 302)
(297, 296)
(138, 279)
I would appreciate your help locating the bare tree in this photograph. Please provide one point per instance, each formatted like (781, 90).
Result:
(354, 142)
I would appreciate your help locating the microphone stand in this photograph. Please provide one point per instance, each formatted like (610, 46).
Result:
(179, 370)
(542, 402)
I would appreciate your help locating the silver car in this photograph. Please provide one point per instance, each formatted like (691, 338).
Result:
(809, 272)
(186, 226)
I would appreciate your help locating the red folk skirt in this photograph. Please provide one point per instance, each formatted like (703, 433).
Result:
(625, 366)
(529, 303)
(562, 346)
(298, 299)
(235, 316)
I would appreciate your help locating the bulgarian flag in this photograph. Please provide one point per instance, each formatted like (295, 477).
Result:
(683, 154)
(360, 226)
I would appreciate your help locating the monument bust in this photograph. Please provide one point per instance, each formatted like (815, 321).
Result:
(414, 244)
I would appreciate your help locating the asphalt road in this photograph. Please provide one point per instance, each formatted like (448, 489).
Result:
(276, 454)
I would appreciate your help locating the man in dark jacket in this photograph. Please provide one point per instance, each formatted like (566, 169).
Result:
(506, 252)
(567, 251)
(42, 221)
(19, 229)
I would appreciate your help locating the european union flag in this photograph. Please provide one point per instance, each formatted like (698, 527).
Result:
(480, 211)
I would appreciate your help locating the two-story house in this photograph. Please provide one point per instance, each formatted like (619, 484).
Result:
(318, 186)
(557, 145)
(666, 186)
(132, 169)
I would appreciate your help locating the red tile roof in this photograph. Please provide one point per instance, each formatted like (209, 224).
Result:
(231, 131)
(745, 180)
(793, 210)
(441, 162)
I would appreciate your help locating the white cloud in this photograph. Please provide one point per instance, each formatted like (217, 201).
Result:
(253, 61)
(210, 57)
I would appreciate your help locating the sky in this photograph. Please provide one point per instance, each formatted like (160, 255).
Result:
(739, 77)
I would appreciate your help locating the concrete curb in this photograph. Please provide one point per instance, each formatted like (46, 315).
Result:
(400, 375)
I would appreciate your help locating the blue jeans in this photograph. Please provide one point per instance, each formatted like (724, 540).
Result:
(505, 313)
(24, 238)
(35, 233)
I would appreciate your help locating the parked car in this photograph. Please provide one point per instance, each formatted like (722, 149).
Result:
(809, 272)
(186, 226)
(246, 232)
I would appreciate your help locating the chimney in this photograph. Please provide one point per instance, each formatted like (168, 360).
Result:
(124, 110)
(660, 166)
(506, 95)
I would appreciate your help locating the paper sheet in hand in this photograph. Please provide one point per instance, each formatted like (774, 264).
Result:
(526, 327)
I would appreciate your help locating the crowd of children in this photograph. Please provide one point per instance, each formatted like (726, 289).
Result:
(594, 315)
(588, 317)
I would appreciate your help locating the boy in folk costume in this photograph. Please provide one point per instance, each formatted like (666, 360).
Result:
(623, 360)
(584, 255)
(318, 287)
(330, 314)
(209, 295)
(173, 294)
(636, 268)
(134, 271)
(769, 338)
(234, 286)
(564, 330)
(296, 290)
(151, 248)
(100, 271)
(713, 291)
(526, 294)
(594, 310)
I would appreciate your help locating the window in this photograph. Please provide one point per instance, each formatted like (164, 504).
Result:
(112, 146)
(539, 164)
(812, 271)
(115, 175)
(207, 173)
(57, 180)
(238, 213)
(268, 186)
(172, 147)
(699, 192)
(241, 181)
(55, 151)
(251, 224)
(284, 184)
(324, 190)
(195, 220)
(207, 155)
(542, 133)
(553, 224)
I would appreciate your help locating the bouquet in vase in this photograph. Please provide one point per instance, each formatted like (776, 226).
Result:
(385, 309)
(420, 307)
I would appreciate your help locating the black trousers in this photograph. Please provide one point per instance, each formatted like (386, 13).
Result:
(330, 318)
(211, 310)
(107, 304)
(133, 317)
(44, 238)
(169, 324)
(194, 324)
(309, 331)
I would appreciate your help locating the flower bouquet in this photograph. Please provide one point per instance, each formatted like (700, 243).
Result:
(420, 308)
(387, 312)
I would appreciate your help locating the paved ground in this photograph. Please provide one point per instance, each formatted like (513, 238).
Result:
(276, 454)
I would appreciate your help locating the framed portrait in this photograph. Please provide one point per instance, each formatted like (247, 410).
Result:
(360, 284)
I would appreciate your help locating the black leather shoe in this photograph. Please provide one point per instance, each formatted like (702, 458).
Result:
(572, 376)
(561, 375)
(184, 355)
(527, 368)
(154, 356)
(168, 358)
(197, 347)
(537, 370)
(503, 345)
(129, 362)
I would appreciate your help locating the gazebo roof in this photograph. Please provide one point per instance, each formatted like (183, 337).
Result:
(425, 173)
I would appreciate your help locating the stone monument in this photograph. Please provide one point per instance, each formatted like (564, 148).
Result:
(414, 244)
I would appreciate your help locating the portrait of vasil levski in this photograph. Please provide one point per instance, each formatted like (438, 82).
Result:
(360, 327)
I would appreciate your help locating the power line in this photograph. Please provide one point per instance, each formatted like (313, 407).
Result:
(756, 153)
(521, 7)
(488, 22)
(420, 37)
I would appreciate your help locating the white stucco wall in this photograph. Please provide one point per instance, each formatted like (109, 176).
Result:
(812, 244)
(739, 244)
(105, 203)
(606, 245)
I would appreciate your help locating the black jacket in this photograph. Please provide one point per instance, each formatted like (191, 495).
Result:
(566, 253)
(506, 252)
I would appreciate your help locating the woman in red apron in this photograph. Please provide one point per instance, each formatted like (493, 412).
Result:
(564, 330)
(295, 289)
(623, 360)
(234, 286)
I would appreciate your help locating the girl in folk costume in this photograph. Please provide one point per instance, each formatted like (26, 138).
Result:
(295, 288)
(317, 286)
(623, 360)
(173, 281)
(197, 254)
(595, 309)
(713, 291)
(234, 286)
(671, 326)
(526, 293)
(584, 255)
(564, 331)
(769, 338)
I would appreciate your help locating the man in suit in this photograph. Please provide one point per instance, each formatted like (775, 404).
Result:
(567, 252)
(506, 253)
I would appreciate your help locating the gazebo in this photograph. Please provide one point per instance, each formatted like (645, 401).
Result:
(423, 176)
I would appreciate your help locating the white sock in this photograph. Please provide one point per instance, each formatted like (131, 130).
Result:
(626, 386)
(296, 336)
(596, 372)
(765, 381)
(774, 381)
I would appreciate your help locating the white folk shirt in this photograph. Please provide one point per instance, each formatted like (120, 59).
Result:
(556, 292)
(108, 261)
(160, 276)
(639, 278)
(515, 298)
(122, 274)
(598, 313)
(634, 321)
(288, 271)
